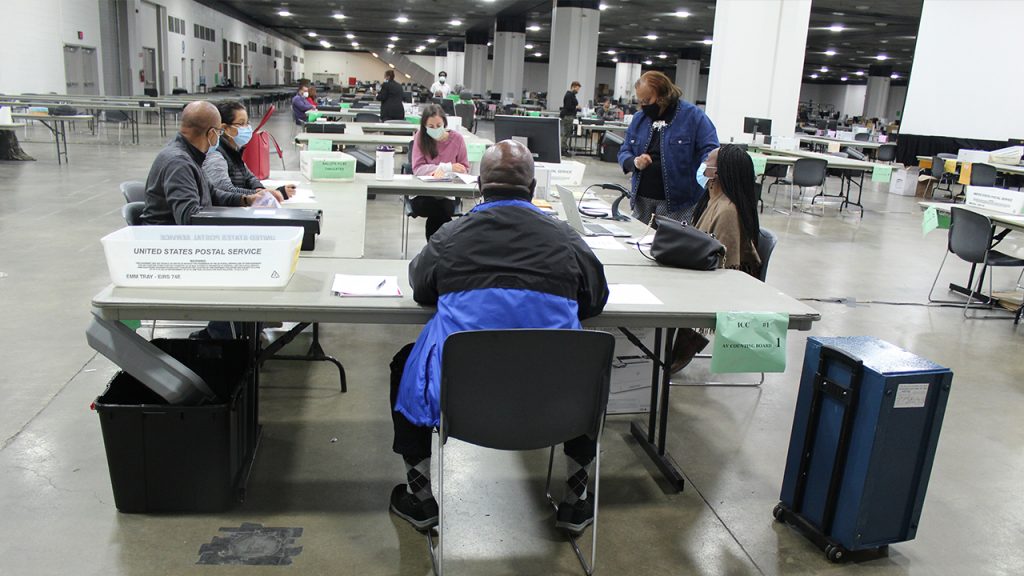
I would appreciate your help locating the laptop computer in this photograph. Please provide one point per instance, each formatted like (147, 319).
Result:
(572, 216)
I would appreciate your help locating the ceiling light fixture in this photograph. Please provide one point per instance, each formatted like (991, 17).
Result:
(648, 62)
(881, 57)
(338, 16)
(420, 48)
(528, 46)
(311, 34)
(392, 66)
(355, 44)
(325, 43)
(537, 54)
(393, 38)
(374, 54)
(350, 35)
(830, 52)
(401, 19)
(814, 76)
(844, 78)
(823, 69)
(455, 22)
(894, 76)
(681, 14)
(407, 76)
(284, 13)
(602, 6)
(662, 56)
(706, 41)
(859, 72)
(391, 46)
(615, 59)
(836, 28)
(533, 28)
(431, 40)
(651, 36)
(611, 52)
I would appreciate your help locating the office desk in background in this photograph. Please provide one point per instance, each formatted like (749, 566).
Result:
(57, 126)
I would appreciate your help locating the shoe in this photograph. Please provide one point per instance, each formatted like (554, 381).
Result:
(422, 514)
(688, 344)
(575, 517)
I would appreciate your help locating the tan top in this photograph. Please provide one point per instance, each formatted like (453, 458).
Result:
(721, 219)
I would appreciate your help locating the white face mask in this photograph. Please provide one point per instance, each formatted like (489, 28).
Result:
(435, 133)
(441, 79)
(305, 94)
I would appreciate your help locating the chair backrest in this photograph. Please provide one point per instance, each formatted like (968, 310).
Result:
(116, 116)
(448, 105)
(970, 235)
(766, 241)
(938, 166)
(862, 137)
(983, 175)
(886, 152)
(809, 171)
(466, 112)
(133, 191)
(132, 213)
(492, 398)
(367, 117)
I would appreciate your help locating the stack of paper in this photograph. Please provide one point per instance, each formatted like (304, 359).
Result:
(350, 285)
(301, 196)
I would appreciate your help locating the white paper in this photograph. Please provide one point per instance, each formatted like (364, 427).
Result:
(301, 196)
(264, 212)
(433, 179)
(645, 241)
(276, 183)
(603, 243)
(466, 178)
(359, 285)
(631, 294)
(911, 396)
(403, 176)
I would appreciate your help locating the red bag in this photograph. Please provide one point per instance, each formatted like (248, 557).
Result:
(256, 154)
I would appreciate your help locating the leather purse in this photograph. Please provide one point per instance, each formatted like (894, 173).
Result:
(683, 246)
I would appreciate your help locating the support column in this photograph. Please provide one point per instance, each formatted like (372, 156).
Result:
(509, 51)
(688, 73)
(757, 61)
(627, 72)
(876, 99)
(573, 53)
(475, 69)
(456, 62)
(441, 63)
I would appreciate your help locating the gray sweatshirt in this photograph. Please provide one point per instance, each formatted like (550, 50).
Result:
(176, 188)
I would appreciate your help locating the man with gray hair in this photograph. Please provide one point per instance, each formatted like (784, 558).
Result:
(504, 265)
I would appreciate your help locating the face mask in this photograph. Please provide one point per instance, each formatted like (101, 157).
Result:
(213, 147)
(243, 136)
(701, 178)
(435, 133)
(652, 110)
(305, 94)
(441, 79)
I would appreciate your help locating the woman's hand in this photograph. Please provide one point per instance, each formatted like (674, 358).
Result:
(438, 173)
(456, 167)
(642, 161)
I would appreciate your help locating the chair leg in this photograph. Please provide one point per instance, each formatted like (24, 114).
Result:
(934, 282)
(439, 564)
(587, 568)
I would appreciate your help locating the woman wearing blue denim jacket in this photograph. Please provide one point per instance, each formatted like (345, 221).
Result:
(665, 144)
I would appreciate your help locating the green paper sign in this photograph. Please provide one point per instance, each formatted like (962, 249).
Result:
(133, 324)
(759, 164)
(750, 342)
(345, 105)
(320, 145)
(313, 115)
(475, 151)
(930, 220)
(944, 220)
(881, 173)
(412, 119)
(333, 169)
(534, 113)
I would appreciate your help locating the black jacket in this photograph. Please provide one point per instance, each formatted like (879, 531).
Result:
(176, 187)
(390, 97)
(569, 104)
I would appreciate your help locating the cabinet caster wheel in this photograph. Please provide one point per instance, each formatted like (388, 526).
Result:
(834, 554)
(777, 512)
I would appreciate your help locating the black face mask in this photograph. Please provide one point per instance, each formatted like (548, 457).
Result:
(651, 110)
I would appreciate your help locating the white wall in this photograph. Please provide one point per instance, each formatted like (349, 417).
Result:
(362, 65)
(425, 62)
(32, 43)
(897, 98)
(964, 82)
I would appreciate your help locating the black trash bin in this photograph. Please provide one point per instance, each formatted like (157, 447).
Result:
(172, 458)
(610, 147)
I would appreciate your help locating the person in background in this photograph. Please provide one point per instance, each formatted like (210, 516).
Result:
(176, 187)
(664, 144)
(441, 89)
(311, 98)
(504, 265)
(607, 111)
(436, 151)
(300, 104)
(567, 113)
(728, 211)
(224, 168)
(390, 97)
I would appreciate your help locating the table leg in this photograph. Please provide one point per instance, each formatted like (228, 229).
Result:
(314, 354)
(64, 140)
(660, 387)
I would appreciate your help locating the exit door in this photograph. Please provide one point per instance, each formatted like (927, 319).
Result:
(81, 74)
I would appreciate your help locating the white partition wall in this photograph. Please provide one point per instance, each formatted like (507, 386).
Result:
(757, 60)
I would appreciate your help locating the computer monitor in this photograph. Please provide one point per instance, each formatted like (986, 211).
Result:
(822, 124)
(757, 125)
(541, 133)
(833, 125)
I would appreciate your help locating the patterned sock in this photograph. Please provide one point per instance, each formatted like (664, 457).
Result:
(417, 474)
(577, 475)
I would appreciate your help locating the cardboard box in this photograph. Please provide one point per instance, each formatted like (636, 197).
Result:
(566, 172)
(630, 391)
(328, 166)
(902, 182)
(998, 199)
(972, 156)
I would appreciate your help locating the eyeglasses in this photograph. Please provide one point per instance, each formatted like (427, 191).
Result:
(246, 125)
(219, 131)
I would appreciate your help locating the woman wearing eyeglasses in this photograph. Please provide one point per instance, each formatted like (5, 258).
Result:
(224, 169)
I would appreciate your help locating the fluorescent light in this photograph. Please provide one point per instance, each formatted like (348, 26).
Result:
(651, 36)
(284, 13)
(602, 6)
(859, 72)
(611, 52)
(537, 54)
(706, 41)
(894, 76)
(393, 38)
(830, 52)
(837, 28)
(615, 59)
(455, 22)
(420, 48)
(533, 28)
(407, 76)
(392, 66)
(488, 44)
(528, 46)
(431, 40)
(401, 19)
(662, 56)
(355, 44)
(814, 76)
(648, 62)
(338, 16)
(311, 34)
(682, 14)
(823, 69)
(881, 57)
(350, 35)
(325, 43)
(844, 78)
(391, 46)
(374, 54)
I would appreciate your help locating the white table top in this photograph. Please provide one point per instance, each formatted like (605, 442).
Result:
(378, 139)
(73, 118)
(689, 299)
(1002, 219)
(833, 161)
(343, 224)
(828, 140)
(1005, 168)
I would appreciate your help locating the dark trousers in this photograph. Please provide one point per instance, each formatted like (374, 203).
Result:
(437, 211)
(413, 441)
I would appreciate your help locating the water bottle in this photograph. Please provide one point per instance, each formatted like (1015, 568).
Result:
(385, 163)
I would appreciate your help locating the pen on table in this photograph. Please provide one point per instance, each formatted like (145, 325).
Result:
(381, 285)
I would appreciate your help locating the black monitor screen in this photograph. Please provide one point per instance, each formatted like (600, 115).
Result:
(833, 125)
(541, 133)
(822, 124)
(758, 125)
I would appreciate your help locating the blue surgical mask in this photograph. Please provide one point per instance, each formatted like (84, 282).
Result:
(435, 133)
(213, 147)
(243, 136)
(701, 178)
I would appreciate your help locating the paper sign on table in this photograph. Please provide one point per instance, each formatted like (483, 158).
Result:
(750, 342)
(965, 174)
(475, 151)
(881, 173)
(365, 286)
(603, 243)
(930, 220)
(319, 145)
(833, 147)
(631, 294)
(759, 164)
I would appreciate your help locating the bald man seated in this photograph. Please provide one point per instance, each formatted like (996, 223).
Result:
(504, 265)
(176, 187)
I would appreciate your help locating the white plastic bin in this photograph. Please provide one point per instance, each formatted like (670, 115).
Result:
(202, 256)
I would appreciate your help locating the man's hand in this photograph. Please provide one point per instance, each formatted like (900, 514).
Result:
(642, 161)
(276, 194)
(289, 190)
(456, 167)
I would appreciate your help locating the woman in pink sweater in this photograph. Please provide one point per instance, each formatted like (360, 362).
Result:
(439, 152)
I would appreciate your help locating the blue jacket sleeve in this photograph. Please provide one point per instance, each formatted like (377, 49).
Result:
(627, 151)
(707, 138)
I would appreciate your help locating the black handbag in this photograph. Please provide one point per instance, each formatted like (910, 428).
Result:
(683, 246)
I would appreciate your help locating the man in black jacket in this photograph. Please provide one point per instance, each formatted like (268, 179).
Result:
(176, 187)
(568, 113)
(504, 265)
(390, 97)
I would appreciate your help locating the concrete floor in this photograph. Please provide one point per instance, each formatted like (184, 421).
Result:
(58, 512)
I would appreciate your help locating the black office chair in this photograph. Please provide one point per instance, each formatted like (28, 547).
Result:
(766, 241)
(983, 175)
(776, 171)
(367, 117)
(467, 112)
(491, 398)
(886, 153)
(807, 172)
(971, 238)
(133, 191)
(132, 213)
(118, 117)
(941, 175)
(862, 137)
